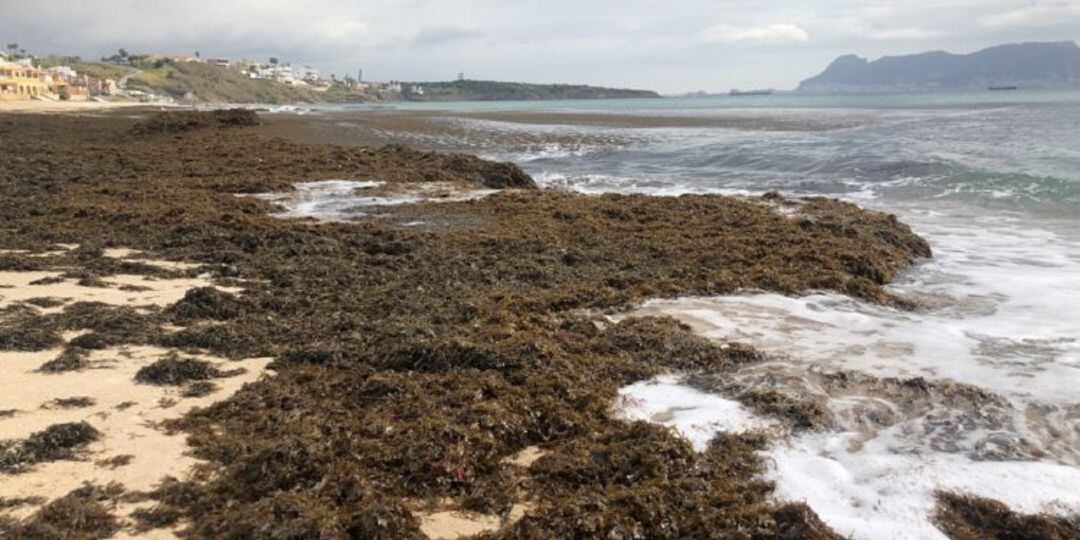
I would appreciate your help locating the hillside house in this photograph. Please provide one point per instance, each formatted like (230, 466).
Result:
(21, 81)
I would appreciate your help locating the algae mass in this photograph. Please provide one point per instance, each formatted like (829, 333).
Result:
(418, 351)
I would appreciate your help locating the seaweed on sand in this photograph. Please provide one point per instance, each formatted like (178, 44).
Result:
(411, 362)
(199, 389)
(172, 370)
(204, 303)
(45, 302)
(966, 517)
(115, 462)
(72, 402)
(22, 329)
(83, 514)
(70, 359)
(56, 442)
(6, 503)
(109, 325)
(359, 511)
(642, 481)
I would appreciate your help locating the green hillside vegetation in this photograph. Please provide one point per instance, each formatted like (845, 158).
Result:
(468, 90)
(209, 83)
(94, 69)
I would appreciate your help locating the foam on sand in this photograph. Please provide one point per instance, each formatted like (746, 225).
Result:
(694, 414)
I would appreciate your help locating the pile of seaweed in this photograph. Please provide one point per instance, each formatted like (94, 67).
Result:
(57, 442)
(85, 513)
(180, 121)
(412, 362)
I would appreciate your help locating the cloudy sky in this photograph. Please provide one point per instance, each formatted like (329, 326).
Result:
(666, 45)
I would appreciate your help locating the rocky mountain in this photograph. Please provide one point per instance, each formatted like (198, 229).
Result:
(1024, 65)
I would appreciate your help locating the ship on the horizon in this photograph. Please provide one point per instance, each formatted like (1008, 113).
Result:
(1003, 88)
(761, 92)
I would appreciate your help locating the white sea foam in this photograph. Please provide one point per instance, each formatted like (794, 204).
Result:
(863, 488)
(999, 302)
(338, 200)
(877, 492)
(696, 415)
(594, 184)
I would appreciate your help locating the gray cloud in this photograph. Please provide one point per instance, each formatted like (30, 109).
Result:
(670, 46)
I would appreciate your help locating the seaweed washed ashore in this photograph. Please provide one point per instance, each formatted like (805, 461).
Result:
(438, 380)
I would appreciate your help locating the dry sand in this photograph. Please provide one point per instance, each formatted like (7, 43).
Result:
(127, 414)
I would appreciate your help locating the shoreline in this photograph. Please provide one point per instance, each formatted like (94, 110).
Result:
(59, 107)
(414, 365)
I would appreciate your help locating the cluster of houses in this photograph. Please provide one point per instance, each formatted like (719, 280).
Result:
(22, 80)
(286, 73)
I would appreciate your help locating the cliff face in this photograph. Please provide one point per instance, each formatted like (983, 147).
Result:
(1027, 65)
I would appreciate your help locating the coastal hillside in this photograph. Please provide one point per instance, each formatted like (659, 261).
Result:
(468, 90)
(1023, 65)
(208, 83)
(205, 83)
(152, 77)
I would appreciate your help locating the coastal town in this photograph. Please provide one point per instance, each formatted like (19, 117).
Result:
(129, 77)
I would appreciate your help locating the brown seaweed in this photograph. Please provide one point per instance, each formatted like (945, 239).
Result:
(180, 121)
(412, 361)
(83, 514)
(966, 517)
(79, 402)
(56, 442)
(173, 370)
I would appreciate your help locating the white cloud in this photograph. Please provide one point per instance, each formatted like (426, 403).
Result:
(773, 33)
(1038, 13)
(902, 34)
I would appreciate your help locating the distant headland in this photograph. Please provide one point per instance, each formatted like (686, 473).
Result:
(1013, 66)
(469, 90)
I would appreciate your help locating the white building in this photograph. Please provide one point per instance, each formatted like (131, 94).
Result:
(279, 73)
(306, 73)
(63, 72)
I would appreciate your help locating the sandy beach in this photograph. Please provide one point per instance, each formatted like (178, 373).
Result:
(53, 107)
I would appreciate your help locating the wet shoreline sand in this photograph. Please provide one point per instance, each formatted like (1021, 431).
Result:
(413, 366)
